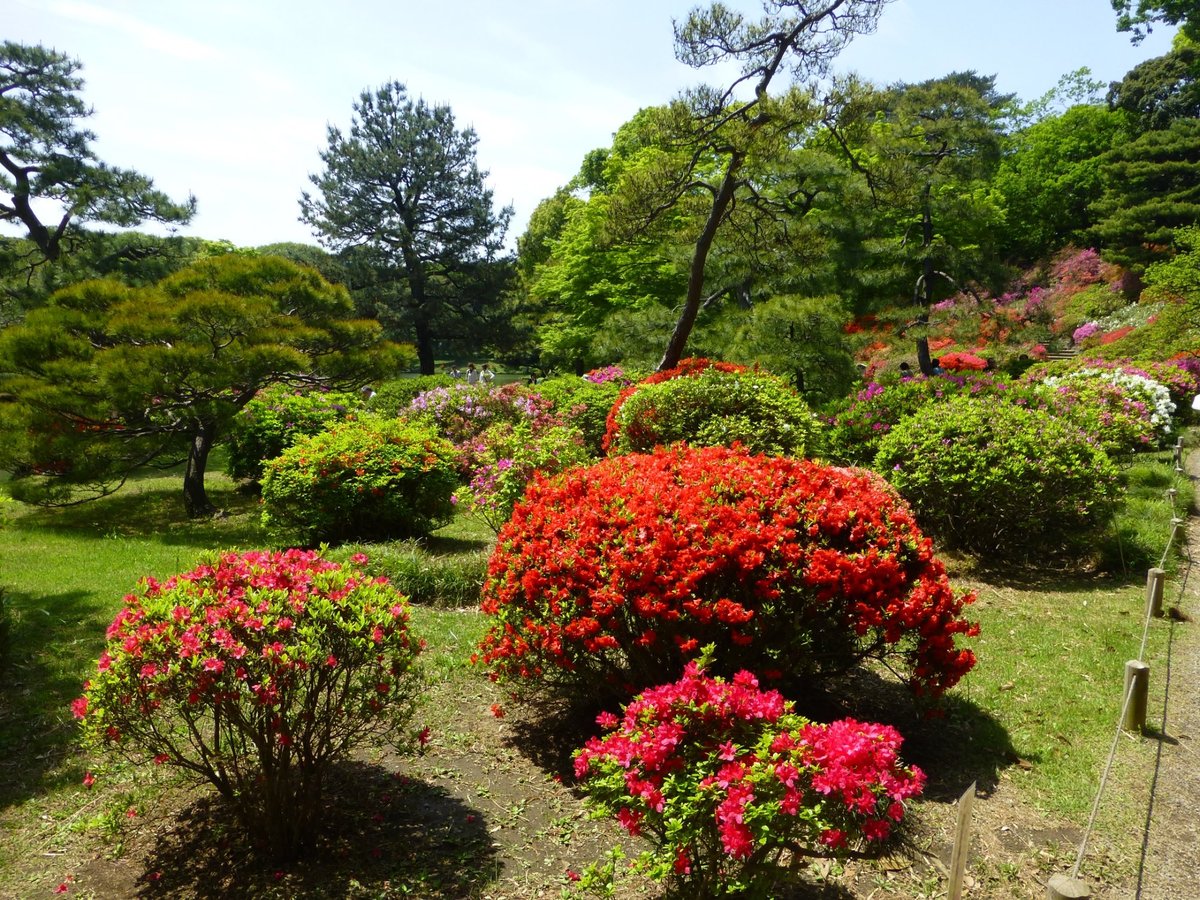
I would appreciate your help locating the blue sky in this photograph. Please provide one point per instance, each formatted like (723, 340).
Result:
(229, 99)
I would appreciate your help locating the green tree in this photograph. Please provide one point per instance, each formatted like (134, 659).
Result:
(927, 153)
(131, 257)
(404, 191)
(1160, 90)
(1050, 176)
(46, 156)
(1151, 188)
(726, 132)
(107, 377)
(1140, 16)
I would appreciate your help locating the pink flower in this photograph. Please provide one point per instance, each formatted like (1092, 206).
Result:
(630, 819)
(359, 559)
(88, 780)
(423, 736)
(214, 665)
(572, 875)
(79, 707)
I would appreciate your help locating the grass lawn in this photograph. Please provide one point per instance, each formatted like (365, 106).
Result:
(1031, 725)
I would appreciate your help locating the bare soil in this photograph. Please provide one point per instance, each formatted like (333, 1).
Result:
(488, 812)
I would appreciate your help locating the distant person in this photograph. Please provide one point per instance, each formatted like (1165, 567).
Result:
(905, 370)
(486, 375)
(367, 392)
(936, 365)
(472, 374)
(454, 372)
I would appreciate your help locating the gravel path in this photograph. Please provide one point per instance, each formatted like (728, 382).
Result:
(1170, 867)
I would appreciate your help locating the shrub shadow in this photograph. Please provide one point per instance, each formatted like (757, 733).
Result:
(955, 743)
(382, 836)
(33, 739)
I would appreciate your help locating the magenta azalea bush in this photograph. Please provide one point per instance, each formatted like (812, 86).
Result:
(727, 782)
(255, 672)
(508, 460)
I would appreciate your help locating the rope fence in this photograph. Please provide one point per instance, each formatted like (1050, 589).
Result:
(1137, 685)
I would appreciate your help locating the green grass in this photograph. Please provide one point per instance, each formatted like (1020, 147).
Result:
(1039, 710)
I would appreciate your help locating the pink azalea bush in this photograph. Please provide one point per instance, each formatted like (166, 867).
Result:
(726, 781)
(254, 672)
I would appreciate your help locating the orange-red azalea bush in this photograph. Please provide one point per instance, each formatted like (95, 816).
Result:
(617, 574)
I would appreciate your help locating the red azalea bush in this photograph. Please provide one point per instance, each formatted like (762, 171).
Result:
(618, 573)
(685, 369)
(255, 672)
(723, 778)
(959, 362)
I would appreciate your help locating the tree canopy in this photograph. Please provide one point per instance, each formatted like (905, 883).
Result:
(403, 192)
(725, 131)
(107, 377)
(1138, 17)
(46, 156)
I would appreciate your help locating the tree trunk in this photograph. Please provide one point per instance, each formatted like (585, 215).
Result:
(424, 342)
(695, 288)
(195, 499)
(924, 360)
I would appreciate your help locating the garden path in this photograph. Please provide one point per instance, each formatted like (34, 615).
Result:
(1170, 867)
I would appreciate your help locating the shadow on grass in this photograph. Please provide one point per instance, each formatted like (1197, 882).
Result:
(381, 836)
(36, 731)
(157, 513)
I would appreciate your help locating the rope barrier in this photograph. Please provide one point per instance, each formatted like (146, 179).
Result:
(1177, 522)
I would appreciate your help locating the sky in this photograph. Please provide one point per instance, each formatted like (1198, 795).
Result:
(230, 100)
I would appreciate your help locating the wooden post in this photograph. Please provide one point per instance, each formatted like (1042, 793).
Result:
(1137, 689)
(1064, 887)
(1154, 592)
(962, 842)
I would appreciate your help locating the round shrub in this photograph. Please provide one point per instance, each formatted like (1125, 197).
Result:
(254, 672)
(462, 414)
(370, 479)
(686, 369)
(393, 397)
(1122, 410)
(727, 783)
(511, 456)
(276, 418)
(617, 574)
(584, 404)
(760, 411)
(998, 479)
(861, 422)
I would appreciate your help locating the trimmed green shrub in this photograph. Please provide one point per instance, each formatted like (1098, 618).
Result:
(999, 480)
(276, 418)
(582, 403)
(860, 422)
(712, 408)
(393, 397)
(511, 456)
(373, 478)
